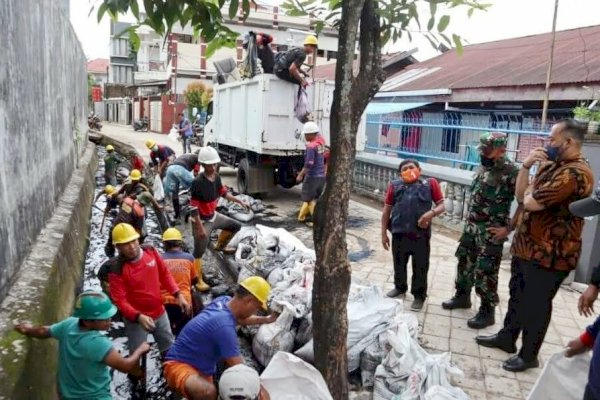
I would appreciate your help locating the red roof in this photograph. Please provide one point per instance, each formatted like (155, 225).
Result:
(97, 66)
(327, 71)
(512, 62)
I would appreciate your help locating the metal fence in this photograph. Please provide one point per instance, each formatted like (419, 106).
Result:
(451, 138)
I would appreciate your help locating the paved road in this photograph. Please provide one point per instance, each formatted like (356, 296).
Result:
(442, 330)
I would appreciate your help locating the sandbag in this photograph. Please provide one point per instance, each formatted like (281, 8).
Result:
(274, 337)
(562, 378)
(302, 105)
(173, 135)
(370, 358)
(157, 188)
(289, 378)
(307, 352)
(304, 334)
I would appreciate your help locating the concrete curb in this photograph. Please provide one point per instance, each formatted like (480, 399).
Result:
(45, 288)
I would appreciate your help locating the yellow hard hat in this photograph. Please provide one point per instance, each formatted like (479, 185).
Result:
(311, 40)
(124, 233)
(110, 148)
(135, 175)
(150, 143)
(172, 234)
(258, 287)
(109, 189)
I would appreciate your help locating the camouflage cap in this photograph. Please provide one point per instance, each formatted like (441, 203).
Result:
(492, 140)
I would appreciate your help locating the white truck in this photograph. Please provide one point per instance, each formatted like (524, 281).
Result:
(253, 127)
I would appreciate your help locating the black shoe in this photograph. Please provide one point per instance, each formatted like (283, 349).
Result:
(517, 364)
(460, 300)
(496, 341)
(395, 292)
(483, 318)
(417, 304)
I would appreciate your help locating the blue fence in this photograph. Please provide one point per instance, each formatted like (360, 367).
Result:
(451, 138)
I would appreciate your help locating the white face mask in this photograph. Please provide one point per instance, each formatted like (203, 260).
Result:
(155, 148)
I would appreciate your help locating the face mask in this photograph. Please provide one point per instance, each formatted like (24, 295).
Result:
(155, 148)
(487, 162)
(410, 175)
(553, 152)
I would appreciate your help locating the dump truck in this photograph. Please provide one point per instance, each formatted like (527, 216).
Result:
(253, 126)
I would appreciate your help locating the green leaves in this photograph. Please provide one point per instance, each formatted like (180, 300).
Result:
(233, 7)
(458, 43)
(443, 23)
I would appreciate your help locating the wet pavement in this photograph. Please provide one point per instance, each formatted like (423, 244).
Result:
(441, 330)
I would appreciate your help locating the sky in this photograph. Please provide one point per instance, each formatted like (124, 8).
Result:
(504, 19)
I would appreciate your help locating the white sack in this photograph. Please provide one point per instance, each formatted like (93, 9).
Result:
(289, 378)
(274, 337)
(562, 378)
(157, 188)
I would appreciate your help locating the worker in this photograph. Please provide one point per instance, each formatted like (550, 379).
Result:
(205, 192)
(160, 156)
(241, 382)
(184, 128)
(111, 197)
(288, 63)
(263, 49)
(210, 337)
(135, 279)
(181, 267)
(131, 212)
(179, 176)
(111, 162)
(84, 353)
(136, 161)
(312, 174)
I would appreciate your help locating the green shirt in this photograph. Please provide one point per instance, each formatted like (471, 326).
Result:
(82, 373)
(110, 163)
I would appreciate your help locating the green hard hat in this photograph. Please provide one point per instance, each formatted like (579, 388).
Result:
(94, 305)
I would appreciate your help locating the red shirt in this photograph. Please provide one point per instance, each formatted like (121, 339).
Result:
(136, 290)
(436, 192)
(205, 195)
(137, 163)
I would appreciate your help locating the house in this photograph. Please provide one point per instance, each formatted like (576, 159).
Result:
(98, 68)
(437, 109)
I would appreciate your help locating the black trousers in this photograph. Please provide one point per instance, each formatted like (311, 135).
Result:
(417, 247)
(284, 74)
(532, 289)
(588, 394)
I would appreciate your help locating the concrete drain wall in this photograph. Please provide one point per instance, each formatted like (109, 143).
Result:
(45, 289)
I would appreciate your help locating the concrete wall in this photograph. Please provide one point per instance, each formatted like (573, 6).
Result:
(43, 100)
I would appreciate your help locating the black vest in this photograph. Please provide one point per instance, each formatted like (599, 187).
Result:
(411, 201)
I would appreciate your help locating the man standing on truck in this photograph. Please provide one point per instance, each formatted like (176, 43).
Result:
(313, 173)
(288, 63)
(205, 192)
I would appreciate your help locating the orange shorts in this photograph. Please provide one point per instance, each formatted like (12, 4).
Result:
(177, 373)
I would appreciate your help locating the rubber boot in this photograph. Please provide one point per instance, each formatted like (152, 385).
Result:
(224, 238)
(304, 210)
(176, 206)
(485, 317)
(311, 208)
(461, 299)
(201, 285)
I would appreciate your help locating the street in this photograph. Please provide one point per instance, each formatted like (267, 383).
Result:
(441, 330)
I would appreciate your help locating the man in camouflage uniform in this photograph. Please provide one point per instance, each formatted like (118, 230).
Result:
(488, 224)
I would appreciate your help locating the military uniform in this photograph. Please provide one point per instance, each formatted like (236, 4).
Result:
(478, 253)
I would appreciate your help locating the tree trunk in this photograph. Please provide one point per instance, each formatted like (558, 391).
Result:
(332, 273)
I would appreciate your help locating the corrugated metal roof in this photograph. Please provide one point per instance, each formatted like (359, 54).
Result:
(513, 62)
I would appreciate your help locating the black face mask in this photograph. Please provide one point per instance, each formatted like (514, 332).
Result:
(487, 162)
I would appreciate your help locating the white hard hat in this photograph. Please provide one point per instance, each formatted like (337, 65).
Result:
(310, 127)
(239, 381)
(208, 155)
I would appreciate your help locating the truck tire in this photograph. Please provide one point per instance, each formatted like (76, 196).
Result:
(243, 174)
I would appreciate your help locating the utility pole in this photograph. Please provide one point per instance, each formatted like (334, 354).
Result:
(550, 62)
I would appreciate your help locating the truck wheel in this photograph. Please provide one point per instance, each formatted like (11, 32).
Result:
(243, 176)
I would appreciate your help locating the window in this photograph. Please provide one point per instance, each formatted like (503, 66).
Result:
(120, 47)
(331, 54)
(321, 53)
(451, 135)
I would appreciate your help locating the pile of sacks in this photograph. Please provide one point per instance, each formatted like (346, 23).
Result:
(381, 337)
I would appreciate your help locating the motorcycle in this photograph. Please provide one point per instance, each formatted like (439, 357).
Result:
(198, 136)
(94, 122)
(141, 124)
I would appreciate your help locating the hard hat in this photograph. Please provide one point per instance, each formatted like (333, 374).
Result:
(172, 234)
(135, 175)
(310, 127)
(150, 144)
(239, 382)
(124, 233)
(109, 189)
(208, 155)
(110, 148)
(94, 305)
(258, 287)
(312, 40)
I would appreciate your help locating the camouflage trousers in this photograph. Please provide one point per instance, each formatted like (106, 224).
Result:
(479, 267)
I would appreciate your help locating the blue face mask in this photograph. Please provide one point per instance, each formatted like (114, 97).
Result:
(553, 152)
